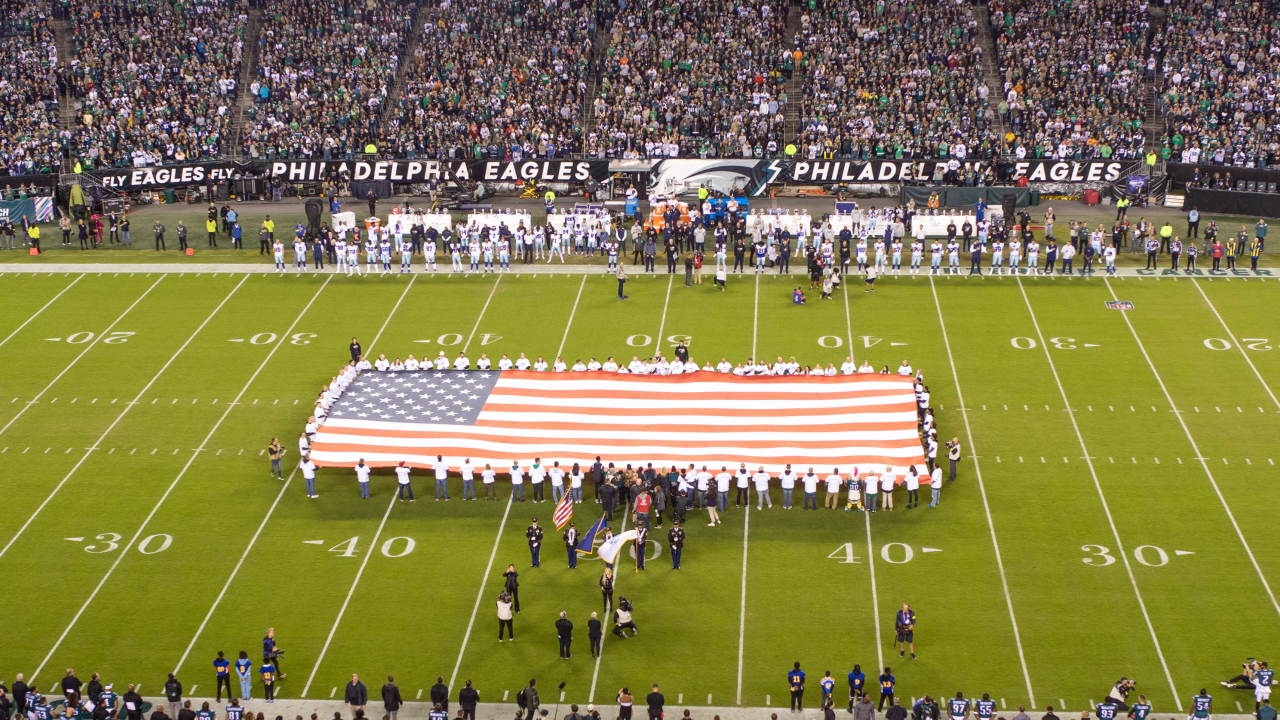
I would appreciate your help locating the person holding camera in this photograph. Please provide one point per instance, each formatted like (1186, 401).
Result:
(953, 455)
(1120, 693)
(622, 620)
(271, 653)
(904, 625)
(505, 617)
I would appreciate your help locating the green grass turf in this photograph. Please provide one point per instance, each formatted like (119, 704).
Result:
(184, 464)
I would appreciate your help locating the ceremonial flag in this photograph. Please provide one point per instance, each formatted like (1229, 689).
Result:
(587, 544)
(608, 552)
(702, 417)
(564, 511)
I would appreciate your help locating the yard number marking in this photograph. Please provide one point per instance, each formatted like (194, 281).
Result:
(387, 547)
(1023, 343)
(1148, 555)
(844, 554)
(1259, 344)
(907, 553)
(346, 547)
(301, 338)
(111, 543)
(1102, 554)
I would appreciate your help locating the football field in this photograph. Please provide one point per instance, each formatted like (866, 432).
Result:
(1115, 512)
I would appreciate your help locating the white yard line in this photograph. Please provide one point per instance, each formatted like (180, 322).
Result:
(42, 309)
(574, 311)
(742, 611)
(484, 579)
(476, 327)
(127, 408)
(124, 552)
(982, 490)
(1102, 497)
(1236, 342)
(875, 597)
(227, 585)
(1199, 455)
(604, 622)
(351, 591)
(271, 511)
(89, 347)
(755, 320)
(662, 324)
(848, 328)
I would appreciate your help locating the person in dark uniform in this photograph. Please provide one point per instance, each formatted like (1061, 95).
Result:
(784, 258)
(534, 534)
(676, 538)
(606, 589)
(642, 539)
(372, 198)
(564, 632)
(594, 633)
(795, 680)
(356, 351)
(682, 352)
(511, 582)
(681, 506)
(182, 236)
(440, 694)
(597, 476)
(609, 498)
(159, 231)
(571, 544)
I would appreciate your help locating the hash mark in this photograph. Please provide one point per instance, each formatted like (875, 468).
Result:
(1020, 458)
(1157, 461)
(153, 452)
(1247, 461)
(1135, 460)
(1224, 461)
(1042, 458)
(1238, 409)
(1111, 460)
(133, 451)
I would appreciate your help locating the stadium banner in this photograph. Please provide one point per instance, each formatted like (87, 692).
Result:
(148, 178)
(420, 171)
(1067, 171)
(870, 171)
(36, 210)
(728, 176)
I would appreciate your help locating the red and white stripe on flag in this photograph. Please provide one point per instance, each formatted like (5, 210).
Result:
(700, 418)
(564, 511)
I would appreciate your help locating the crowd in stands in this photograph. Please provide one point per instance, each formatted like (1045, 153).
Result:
(154, 81)
(901, 79)
(325, 69)
(1073, 76)
(496, 80)
(1220, 74)
(29, 141)
(693, 79)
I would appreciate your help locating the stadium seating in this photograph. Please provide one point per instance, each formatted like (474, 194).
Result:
(325, 69)
(1073, 76)
(692, 79)
(495, 80)
(896, 83)
(29, 140)
(153, 82)
(1218, 92)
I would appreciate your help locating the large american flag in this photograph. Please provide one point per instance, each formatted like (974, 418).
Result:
(704, 418)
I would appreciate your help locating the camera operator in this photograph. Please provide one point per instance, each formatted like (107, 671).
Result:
(1248, 673)
(622, 620)
(1120, 693)
(925, 709)
(271, 653)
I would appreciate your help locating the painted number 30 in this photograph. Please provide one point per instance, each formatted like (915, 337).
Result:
(1148, 555)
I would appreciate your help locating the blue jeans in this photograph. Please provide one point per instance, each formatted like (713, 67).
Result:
(762, 499)
(364, 490)
(276, 471)
(643, 517)
(246, 685)
(311, 486)
(871, 501)
(557, 491)
(937, 496)
(405, 488)
(722, 500)
(518, 491)
(468, 488)
(786, 498)
(811, 497)
(442, 486)
(576, 493)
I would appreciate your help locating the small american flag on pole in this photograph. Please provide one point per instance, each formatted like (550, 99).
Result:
(705, 418)
(564, 512)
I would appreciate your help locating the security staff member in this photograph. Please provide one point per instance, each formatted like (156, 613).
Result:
(571, 544)
(1166, 234)
(159, 231)
(739, 253)
(534, 534)
(182, 236)
(676, 538)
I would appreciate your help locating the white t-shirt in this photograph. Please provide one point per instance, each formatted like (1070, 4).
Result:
(557, 477)
(402, 475)
(762, 481)
(873, 485)
(487, 476)
(913, 481)
(744, 478)
(517, 475)
(442, 470)
(788, 479)
(886, 482)
(575, 480)
(810, 483)
(308, 469)
(362, 473)
(935, 480)
(722, 481)
(537, 474)
(834, 482)
(704, 478)
(467, 471)
(505, 364)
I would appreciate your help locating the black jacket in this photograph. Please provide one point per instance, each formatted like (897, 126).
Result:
(468, 697)
(564, 629)
(173, 690)
(655, 701)
(356, 694)
(440, 694)
(391, 697)
(132, 697)
(93, 691)
(593, 629)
